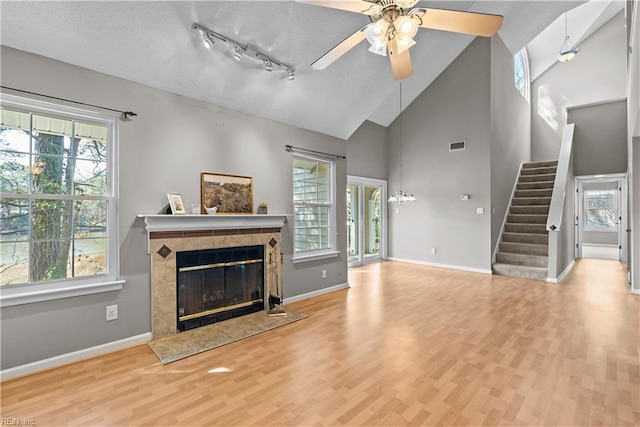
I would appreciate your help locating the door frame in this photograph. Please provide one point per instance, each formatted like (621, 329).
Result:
(362, 182)
(621, 179)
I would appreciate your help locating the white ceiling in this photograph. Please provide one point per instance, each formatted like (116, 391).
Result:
(151, 42)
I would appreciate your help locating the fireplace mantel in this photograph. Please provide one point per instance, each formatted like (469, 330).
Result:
(160, 222)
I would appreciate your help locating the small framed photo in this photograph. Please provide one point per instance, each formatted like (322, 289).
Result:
(175, 201)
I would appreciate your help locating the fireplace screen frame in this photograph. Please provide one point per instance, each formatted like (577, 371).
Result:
(214, 269)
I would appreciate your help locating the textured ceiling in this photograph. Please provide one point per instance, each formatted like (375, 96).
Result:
(151, 43)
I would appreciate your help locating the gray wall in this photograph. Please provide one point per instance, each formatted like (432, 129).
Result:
(454, 107)
(510, 133)
(600, 139)
(367, 152)
(596, 74)
(162, 150)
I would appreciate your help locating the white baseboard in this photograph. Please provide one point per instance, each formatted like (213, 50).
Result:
(635, 291)
(316, 293)
(74, 356)
(447, 266)
(563, 274)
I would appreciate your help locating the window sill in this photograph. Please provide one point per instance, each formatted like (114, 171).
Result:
(314, 257)
(39, 293)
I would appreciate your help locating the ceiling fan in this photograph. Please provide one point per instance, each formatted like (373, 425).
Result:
(394, 24)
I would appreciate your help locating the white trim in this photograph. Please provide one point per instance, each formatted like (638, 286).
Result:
(74, 356)
(159, 222)
(594, 104)
(494, 257)
(635, 291)
(316, 293)
(446, 266)
(563, 274)
(361, 182)
(27, 294)
(314, 257)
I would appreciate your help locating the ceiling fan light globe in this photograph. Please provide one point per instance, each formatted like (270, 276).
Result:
(377, 32)
(404, 43)
(378, 50)
(407, 26)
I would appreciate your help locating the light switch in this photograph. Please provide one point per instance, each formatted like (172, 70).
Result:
(480, 211)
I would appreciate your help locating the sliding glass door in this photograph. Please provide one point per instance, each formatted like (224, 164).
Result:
(366, 220)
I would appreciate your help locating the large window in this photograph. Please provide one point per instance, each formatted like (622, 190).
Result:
(521, 73)
(601, 210)
(313, 199)
(57, 207)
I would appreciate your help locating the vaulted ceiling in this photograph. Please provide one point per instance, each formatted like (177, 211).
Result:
(152, 43)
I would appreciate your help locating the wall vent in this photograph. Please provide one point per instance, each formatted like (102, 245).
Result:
(458, 146)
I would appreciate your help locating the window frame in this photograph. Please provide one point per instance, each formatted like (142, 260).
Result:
(331, 251)
(26, 293)
(613, 229)
(525, 91)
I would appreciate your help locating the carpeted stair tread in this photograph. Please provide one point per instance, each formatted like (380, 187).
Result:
(535, 192)
(539, 164)
(523, 248)
(536, 273)
(523, 259)
(542, 185)
(526, 219)
(530, 210)
(522, 201)
(536, 239)
(537, 178)
(526, 228)
(539, 171)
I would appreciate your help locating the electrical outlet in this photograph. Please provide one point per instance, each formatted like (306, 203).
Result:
(112, 312)
(324, 274)
(433, 251)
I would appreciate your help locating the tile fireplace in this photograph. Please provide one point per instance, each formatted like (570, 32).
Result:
(174, 238)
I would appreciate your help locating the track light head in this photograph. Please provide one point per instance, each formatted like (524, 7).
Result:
(268, 65)
(291, 74)
(238, 53)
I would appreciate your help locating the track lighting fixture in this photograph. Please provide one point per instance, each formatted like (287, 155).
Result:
(208, 41)
(241, 51)
(238, 53)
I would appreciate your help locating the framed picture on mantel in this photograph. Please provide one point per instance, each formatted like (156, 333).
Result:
(177, 206)
(231, 194)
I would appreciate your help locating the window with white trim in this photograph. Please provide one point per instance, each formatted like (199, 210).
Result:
(58, 220)
(521, 73)
(600, 210)
(313, 200)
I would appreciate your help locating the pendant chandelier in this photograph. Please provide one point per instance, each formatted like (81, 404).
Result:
(568, 50)
(401, 196)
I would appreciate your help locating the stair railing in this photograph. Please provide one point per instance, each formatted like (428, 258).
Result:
(554, 219)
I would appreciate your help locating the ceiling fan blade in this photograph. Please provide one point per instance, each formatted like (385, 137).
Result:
(400, 62)
(359, 6)
(479, 24)
(340, 49)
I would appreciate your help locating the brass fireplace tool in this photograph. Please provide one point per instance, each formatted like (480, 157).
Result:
(275, 301)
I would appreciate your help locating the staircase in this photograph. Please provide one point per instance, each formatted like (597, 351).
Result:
(524, 245)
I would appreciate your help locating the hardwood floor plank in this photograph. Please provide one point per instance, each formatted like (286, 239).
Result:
(405, 345)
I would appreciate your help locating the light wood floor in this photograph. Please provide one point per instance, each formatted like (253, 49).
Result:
(406, 345)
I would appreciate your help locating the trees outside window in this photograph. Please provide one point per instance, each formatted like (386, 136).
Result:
(57, 198)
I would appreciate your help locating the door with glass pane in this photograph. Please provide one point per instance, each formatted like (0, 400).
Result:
(366, 220)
